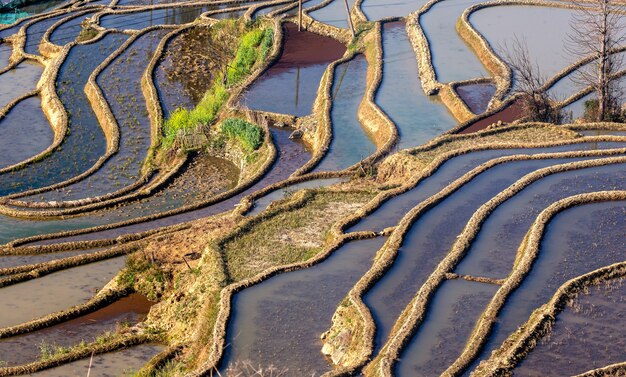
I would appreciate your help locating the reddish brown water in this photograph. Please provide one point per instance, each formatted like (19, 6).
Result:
(508, 114)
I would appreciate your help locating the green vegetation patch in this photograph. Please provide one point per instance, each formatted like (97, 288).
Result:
(253, 49)
(289, 236)
(248, 135)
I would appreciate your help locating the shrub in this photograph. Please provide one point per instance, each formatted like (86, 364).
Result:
(247, 134)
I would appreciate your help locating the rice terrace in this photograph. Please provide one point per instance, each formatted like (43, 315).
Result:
(312, 188)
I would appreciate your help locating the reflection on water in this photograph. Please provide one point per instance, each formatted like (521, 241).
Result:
(290, 85)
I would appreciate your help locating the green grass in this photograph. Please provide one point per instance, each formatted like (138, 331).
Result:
(253, 48)
(248, 135)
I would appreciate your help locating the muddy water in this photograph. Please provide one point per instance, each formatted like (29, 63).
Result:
(350, 142)
(18, 81)
(451, 316)
(334, 13)
(23, 349)
(452, 58)
(144, 19)
(430, 238)
(24, 132)
(476, 96)
(578, 340)
(35, 32)
(493, 251)
(378, 9)
(73, 157)
(292, 155)
(58, 291)
(509, 114)
(577, 241)
(280, 321)
(121, 85)
(68, 31)
(112, 364)
(290, 85)
(417, 116)
(545, 38)
(261, 204)
(390, 213)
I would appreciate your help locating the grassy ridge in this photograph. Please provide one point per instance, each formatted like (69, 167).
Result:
(253, 48)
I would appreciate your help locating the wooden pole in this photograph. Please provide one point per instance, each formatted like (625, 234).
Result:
(345, 2)
(299, 15)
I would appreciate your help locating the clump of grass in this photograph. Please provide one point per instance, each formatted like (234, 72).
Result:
(253, 48)
(86, 34)
(248, 135)
(145, 275)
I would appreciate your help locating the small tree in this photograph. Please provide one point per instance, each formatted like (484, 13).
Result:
(537, 104)
(597, 30)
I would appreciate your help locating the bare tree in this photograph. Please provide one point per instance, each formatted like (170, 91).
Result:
(597, 30)
(537, 104)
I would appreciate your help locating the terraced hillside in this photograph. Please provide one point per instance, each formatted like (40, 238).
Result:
(232, 187)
